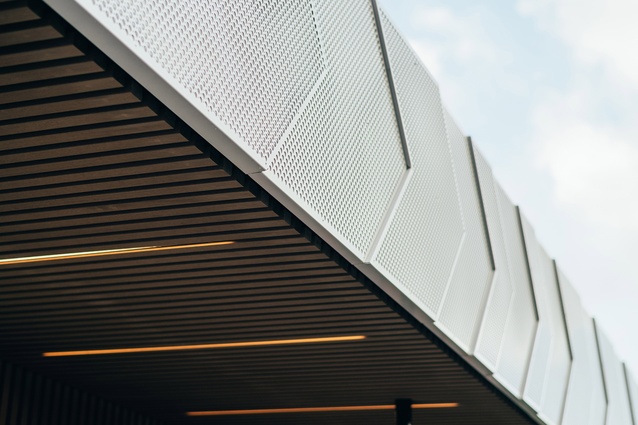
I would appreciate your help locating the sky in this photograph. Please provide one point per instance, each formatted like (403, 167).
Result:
(548, 91)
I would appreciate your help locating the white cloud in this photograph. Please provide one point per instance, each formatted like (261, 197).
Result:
(585, 136)
(466, 59)
(594, 165)
(602, 33)
(553, 107)
(460, 38)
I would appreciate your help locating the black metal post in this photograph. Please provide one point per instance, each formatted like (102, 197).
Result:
(403, 408)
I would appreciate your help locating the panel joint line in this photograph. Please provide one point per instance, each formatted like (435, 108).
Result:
(393, 93)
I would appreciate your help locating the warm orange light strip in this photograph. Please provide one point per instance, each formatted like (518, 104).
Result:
(318, 409)
(119, 251)
(205, 346)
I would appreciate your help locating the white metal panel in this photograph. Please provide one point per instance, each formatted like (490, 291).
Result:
(550, 363)
(632, 389)
(522, 320)
(240, 61)
(342, 159)
(419, 250)
(501, 293)
(618, 410)
(585, 402)
(509, 324)
(470, 282)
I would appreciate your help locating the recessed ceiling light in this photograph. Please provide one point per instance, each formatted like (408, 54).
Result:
(318, 409)
(205, 346)
(117, 251)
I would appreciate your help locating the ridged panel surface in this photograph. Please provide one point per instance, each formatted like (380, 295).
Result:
(250, 64)
(138, 176)
(511, 309)
(618, 410)
(30, 398)
(550, 362)
(585, 402)
(342, 160)
(419, 255)
(470, 282)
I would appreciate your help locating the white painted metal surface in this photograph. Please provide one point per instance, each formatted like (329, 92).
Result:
(632, 389)
(550, 364)
(342, 159)
(296, 94)
(509, 324)
(420, 255)
(469, 286)
(618, 409)
(586, 401)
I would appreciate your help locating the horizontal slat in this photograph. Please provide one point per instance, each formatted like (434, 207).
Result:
(90, 83)
(53, 69)
(17, 14)
(81, 118)
(85, 165)
(98, 101)
(29, 35)
(110, 218)
(88, 147)
(40, 55)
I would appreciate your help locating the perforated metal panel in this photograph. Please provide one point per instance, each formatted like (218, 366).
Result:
(632, 389)
(521, 324)
(585, 402)
(472, 276)
(501, 292)
(550, 362)
(242, 61)
(510, 309)
(342, 160)
(618, 410)
(422, 242)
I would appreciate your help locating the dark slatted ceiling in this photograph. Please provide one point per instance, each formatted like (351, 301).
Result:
(89, 161)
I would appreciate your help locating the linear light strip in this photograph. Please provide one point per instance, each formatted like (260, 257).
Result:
(205, 346)
(118, 251)
(318, 409)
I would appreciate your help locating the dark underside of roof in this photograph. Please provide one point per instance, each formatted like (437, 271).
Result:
(91, 161)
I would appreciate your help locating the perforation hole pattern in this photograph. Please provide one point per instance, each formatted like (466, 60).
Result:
(585, 402)
(464, 303)
(425, 235)
(521, 320)
(343, 158)
(249, 63)
(548, 373)
(493, 325)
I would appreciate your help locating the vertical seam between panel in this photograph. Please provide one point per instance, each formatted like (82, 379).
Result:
(600, 363)
(631, 407)
(481, 202)
(393, 94)
(528, 268)
(562, 310)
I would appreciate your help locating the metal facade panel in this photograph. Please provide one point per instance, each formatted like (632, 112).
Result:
(501, 292)
(585, 402)
(419, 255)
(510, 318)
(522, 320)
(342, 158)
(240, 60)
(470, 282)
(551, 359)
(632, 389)
(618, 411)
